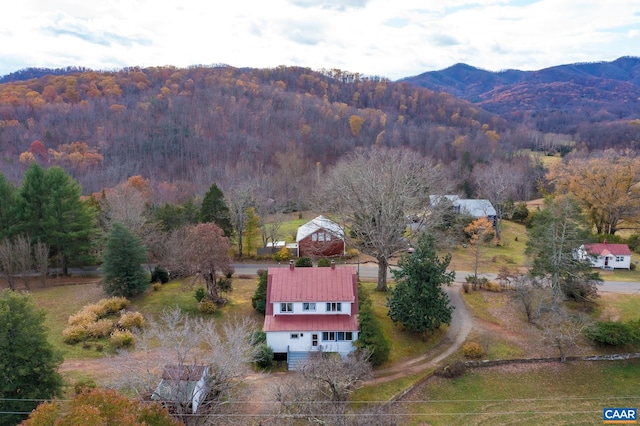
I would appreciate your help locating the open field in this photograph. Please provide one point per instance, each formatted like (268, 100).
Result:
(551, 393)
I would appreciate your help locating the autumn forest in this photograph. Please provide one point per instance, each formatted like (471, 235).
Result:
(275, 129)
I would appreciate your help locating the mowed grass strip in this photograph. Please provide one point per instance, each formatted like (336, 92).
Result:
(553, 393)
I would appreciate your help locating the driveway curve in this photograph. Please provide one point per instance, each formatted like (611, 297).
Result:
(459, 329)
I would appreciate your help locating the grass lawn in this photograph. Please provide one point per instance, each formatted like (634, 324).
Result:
(510, 253)
(62, 301)
(404, 345)
(617, 307)
(559, 394)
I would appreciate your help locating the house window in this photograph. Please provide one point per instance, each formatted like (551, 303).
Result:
(329, 336)
(342, 336)
(619, 258)
(327, 236)
(320, 236)
(314, 237)
(286, 307)
(337, 336)
(334, 307)
(294, 335)
(309, 306)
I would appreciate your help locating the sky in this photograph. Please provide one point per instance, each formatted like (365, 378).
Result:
(385, 38)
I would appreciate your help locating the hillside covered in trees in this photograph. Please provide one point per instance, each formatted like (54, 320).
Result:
(206, 124)
(597, 103)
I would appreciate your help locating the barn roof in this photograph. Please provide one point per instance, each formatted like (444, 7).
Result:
(317, 224)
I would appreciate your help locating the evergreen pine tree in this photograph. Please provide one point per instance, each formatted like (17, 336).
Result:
(214, 209)
(69, 221)
(418, 301)
(7, 207)
(122, 260)
(28, 362)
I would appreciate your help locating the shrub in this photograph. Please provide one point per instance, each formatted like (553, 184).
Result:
(371, 337)
(156, 286)
(100, 328)
(74, 334)
(351, 253)
(323, 262)
(304, 262)
(614, 333)
(115, 304)
(98, 309)
(258, 337)
(472, 350)
(99, 347)
(491, 286)
(466, 287)
(121, 338)
(200, 294)
(159, 275)
(632, 266)
(83, 385)
(264, 356)
(259, 299)
(207, 306)
(282, 255)
(455, 369)
(131, 320)
(82, 318)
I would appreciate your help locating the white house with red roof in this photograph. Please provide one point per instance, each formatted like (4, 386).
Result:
(311, 309)
(606, 256)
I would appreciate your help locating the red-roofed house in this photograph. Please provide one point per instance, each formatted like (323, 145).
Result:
(606, 256)
(311, 309)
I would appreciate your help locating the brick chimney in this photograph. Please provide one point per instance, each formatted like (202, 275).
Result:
(291, 264)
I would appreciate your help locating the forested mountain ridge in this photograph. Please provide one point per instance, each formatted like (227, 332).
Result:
(575, 98)
(207, 124)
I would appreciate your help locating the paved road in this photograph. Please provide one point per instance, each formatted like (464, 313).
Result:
(369, 271)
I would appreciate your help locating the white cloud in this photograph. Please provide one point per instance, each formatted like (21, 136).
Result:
(368, 36)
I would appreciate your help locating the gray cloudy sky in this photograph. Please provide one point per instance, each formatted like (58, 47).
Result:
(389, 38)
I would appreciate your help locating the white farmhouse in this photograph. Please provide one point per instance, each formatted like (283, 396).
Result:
(311, 309)
(605, 255)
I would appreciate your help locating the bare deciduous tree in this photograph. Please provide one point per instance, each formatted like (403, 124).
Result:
(319, 393)
(126, 204)
(23, 259)
(535, 298)
(371, 191)
(563, 330)
(201, 250)
(498, 182)
(240, 199)
(178, 340)
(8, 262)
(41, 260)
